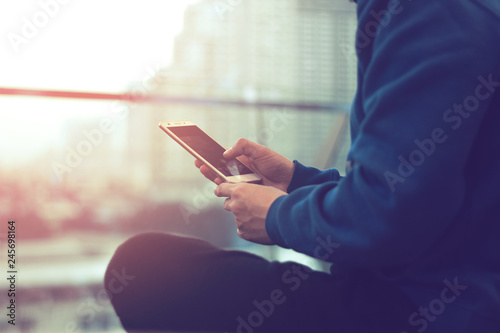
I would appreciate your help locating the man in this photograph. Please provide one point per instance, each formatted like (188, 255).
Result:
(412, 230)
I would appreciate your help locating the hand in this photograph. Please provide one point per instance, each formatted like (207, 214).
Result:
(275, 169)
(249, 203)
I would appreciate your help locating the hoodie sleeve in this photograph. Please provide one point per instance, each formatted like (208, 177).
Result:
(304, 175)
(426, 79)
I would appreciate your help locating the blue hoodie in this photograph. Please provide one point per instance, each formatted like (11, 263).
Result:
(420, 203)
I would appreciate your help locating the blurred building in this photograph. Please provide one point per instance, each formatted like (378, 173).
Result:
(280, 51)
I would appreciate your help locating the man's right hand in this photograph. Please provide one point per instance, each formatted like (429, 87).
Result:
(275, 169)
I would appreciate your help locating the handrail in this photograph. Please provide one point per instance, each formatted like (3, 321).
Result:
(163, 99)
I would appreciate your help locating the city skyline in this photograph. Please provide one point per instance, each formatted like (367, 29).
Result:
(280, 51)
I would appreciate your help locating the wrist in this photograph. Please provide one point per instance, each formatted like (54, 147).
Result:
(290, 173)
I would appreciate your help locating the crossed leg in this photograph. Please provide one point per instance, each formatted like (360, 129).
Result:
(176, 283)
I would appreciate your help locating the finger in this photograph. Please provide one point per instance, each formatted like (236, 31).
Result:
(198, 163)
(227, 204)
(241, 147)
(224, 190)
(245, 160)
(208, 173)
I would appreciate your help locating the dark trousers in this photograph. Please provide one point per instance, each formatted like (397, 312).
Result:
(165, 283)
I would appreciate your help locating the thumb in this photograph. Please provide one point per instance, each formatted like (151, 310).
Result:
(242, 147)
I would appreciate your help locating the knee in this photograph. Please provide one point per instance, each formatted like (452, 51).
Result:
(140, 258)
(129, 260)
(146, 270)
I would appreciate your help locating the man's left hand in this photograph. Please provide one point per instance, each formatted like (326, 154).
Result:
(249, 203)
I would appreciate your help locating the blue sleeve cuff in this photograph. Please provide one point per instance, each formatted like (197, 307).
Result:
(272, 222)
(304, 176)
